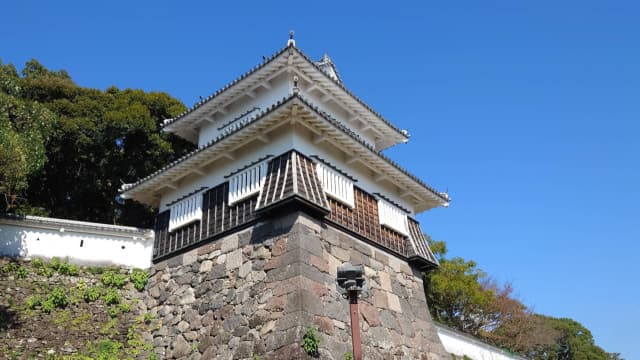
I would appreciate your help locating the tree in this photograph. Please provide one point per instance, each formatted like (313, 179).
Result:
(24, 129)
(100, 140)
(463, 297)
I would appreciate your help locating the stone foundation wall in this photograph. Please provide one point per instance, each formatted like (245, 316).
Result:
(258, 290)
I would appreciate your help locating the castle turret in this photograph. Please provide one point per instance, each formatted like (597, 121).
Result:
(288, 182)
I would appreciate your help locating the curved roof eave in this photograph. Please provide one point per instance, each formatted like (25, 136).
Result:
(126, 189)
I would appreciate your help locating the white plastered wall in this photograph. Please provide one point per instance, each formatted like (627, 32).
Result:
(461, 344)
(280, 88)
(277, 145)
(60, 238)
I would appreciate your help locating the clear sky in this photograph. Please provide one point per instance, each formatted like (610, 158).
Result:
(527, 112)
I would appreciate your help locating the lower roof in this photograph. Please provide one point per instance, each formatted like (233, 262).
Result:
(145, 190)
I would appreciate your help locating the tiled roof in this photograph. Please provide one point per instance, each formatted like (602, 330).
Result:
(290, 175)
(266, 61)
(232, 129)
(227, 86)
(241, 124)
(356, 137)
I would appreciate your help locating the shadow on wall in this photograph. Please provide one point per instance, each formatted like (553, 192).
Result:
(13, 243)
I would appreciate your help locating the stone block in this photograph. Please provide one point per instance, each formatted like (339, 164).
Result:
(324, 324)
(340, 254)
(229, 243)
(385, 281)
(190, 257)
(310, 223)
(279, 247)
(370, 314)
(234, 259)
(181, 347)
(205, 266)
(380, 299)
(394, 302)
(206, 249)
(174, 261)
(245, 269)
(320, 263)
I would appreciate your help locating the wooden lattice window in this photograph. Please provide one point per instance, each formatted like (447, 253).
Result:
(335, 184)
(185, 211)
(392, 217)
(247, 182)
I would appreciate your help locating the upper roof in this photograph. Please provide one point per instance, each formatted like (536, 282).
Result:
(322, 73)
(261, 122)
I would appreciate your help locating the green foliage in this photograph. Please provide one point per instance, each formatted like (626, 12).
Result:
(64, 268)
(113, 311)
(10, 267)
(55, 263)
(113, 278)
(574, 341)
(45, 271)
(37, 263)
(147, 317)
(47, 306)
(255, 357)
(348, 356)
(54, 133)
(311, 342)
(25, 126)
(112, 297)
(73, 270)
(21, 273)
(455, 294)
(106, 350)
(33, 301)
(462, 296)
(139, 278)
(95, 270)
(58, 297)
(124, 307)
(92, 294)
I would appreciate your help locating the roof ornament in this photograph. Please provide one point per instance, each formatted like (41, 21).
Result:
(291, 41)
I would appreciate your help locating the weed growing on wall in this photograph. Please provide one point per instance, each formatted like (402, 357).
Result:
(311, 342)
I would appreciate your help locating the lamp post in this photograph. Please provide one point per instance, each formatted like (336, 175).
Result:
(351, 279)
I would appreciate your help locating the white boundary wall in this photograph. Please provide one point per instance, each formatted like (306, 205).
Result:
(462, 344)
(102, 244)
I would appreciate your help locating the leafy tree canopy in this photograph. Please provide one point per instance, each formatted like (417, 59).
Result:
(82, 144)
(462, 296)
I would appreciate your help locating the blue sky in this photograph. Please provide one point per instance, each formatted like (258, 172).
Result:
(527, 112)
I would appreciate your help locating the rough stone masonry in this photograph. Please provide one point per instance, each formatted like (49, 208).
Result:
(255, 292)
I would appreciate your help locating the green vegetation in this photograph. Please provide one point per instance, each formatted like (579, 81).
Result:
(92, 294)
(348, 356)
(58, 297)
(33, 301)
(113, 311)
(139, 278)
(54, 132)
(311, 342)
(64, 308)
(113, 278)
(111, 297)
(462, 296)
